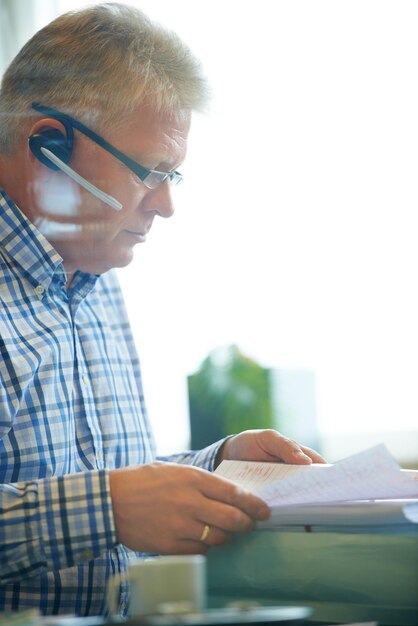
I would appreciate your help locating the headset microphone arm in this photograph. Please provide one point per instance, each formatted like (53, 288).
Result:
(110, 200)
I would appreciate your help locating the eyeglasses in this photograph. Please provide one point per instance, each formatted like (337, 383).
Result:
(151, 178)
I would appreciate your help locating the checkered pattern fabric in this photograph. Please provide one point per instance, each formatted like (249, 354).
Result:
(71, 409)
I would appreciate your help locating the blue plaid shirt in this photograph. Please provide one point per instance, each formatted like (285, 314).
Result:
(71, 409)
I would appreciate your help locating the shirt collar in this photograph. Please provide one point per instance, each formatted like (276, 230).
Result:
(27, 246)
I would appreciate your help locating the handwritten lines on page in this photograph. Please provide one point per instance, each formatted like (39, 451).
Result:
(372, 474)
(252, 475)
(367, 475)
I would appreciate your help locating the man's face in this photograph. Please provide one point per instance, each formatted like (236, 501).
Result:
(88, 234)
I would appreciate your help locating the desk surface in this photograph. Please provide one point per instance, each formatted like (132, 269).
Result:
(343, 577)
(257, 615)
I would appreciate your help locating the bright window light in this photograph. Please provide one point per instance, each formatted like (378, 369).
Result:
(295, 231)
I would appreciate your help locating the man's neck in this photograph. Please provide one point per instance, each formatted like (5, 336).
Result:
(15, 184)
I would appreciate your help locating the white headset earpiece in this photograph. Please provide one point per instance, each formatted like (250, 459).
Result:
(110, 200)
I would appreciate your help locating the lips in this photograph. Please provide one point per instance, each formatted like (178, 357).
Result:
(139, 236)
(141, 231)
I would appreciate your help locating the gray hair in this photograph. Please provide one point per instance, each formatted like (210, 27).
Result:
(99, 63)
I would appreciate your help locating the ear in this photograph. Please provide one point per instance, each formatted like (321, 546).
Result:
(53, 135)
(44, 124)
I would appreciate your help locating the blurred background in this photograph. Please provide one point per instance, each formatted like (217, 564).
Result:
(284, 290)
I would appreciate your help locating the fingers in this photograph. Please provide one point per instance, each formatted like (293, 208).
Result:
(226, 517)
(217, 502)
(163, 508)
(242, 507)
(267, 445)
(294, 454)
(185, 546)
(314, 456)
(226, 509)
(284, 449)
(211, 535)
(276, 447)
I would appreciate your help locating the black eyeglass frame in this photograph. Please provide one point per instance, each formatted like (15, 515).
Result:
(150, 178)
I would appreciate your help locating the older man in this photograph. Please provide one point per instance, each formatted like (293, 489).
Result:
(95, 113)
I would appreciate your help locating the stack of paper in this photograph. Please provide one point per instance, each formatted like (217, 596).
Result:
(365, 490)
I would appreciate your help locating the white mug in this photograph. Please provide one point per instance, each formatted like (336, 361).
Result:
(164, 585)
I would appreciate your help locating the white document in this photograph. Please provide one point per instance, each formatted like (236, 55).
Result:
(365, 489)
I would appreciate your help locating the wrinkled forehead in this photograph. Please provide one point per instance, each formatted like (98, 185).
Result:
(160, 136)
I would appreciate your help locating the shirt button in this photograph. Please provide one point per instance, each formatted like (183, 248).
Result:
(99, 456)
(85, 379)
(39, 290)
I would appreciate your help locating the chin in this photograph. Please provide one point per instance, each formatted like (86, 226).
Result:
(117, 261)
(101, 261)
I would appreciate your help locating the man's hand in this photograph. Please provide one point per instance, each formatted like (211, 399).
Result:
(266, 445)
(163, 508)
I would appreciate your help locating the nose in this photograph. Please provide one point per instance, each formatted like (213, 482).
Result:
(159, 200)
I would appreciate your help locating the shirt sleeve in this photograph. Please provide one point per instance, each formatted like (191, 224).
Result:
(54, 523)
(204, 458)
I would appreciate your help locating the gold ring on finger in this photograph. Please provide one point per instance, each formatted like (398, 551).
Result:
(205, 533)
